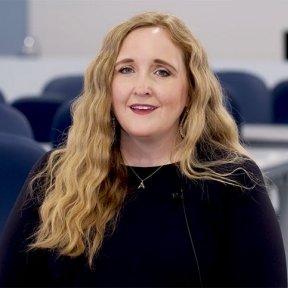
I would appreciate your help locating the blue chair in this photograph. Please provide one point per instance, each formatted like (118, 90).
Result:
(2, 98)
(233, 107)
(61, 123)
(18, 155)
(280, 102)
(69, 87)
(253, 96)
(14, 122)
(40, 112)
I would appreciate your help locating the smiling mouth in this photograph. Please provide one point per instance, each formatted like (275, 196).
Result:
(143, 107)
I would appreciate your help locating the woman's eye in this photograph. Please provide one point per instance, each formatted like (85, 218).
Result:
(126, 70)
(162, 73)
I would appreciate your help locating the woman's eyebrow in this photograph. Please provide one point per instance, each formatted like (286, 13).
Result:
(163, 62)
(124, 61)
(156, 61)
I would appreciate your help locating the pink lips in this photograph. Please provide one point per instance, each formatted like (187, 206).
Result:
(143, 108)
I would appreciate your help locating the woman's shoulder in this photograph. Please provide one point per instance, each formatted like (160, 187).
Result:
(42, 161)
(246, 172)
(227, 161)
(241, 179)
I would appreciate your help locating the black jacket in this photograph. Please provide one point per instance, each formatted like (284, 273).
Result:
(235, 239)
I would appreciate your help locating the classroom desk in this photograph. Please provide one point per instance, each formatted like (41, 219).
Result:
(273, 161)
(271, 135)
(268, 145)
(274, 164)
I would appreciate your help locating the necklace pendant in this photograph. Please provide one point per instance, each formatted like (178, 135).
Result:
(141, 185)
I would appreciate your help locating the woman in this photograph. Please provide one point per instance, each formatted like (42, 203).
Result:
(152, 187)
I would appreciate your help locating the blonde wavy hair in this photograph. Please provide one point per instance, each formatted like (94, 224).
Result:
(84, 181)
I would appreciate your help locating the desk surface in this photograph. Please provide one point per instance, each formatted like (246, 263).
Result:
(273, 162)
(269, 158)
(268, 133)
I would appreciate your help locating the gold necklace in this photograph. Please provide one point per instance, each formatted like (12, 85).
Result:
(141, 185)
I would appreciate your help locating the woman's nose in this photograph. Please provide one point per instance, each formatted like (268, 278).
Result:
(142, 86)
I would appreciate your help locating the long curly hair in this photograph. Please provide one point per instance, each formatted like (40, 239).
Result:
(84, 181)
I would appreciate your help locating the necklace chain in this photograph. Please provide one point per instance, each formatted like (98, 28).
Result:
(141, 185)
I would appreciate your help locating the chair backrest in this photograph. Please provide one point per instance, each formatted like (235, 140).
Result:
(14, 122)
(18, 155)
(67, 86)
(280, 102)
(61, 122)
(253, 96)
(2, 98)
(40, 112)
(233, 108)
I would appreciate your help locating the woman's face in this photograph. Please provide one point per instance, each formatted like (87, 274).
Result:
(149, 87)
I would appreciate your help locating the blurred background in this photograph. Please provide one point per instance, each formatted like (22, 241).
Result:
(64, 35)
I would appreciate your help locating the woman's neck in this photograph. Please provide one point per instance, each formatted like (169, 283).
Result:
(148, 152)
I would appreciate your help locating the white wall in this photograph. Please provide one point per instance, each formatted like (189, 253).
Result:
(229, 29)
(237, 34)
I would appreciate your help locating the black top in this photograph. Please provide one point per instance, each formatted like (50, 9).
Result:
(235, 239)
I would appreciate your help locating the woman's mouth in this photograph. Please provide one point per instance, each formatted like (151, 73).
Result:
(143, 108)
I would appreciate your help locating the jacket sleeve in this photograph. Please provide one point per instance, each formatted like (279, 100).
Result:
(255, 244)
(16, 264)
